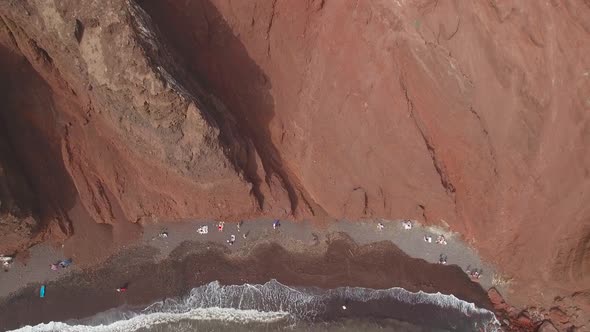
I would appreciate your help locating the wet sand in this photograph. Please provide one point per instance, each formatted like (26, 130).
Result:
(299, 235)
(295, 254)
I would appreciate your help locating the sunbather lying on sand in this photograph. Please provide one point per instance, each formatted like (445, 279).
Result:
(407, 225)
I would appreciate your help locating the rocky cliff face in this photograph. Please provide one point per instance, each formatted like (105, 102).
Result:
(472, 115)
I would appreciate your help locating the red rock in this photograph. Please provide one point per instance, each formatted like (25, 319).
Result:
(497, 300)
(495, 296)
(524, 321)
(475, 114)
(546, 327)
(557, 315)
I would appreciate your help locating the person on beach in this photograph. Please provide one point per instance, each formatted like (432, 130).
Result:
(476, 274)
(162, 235)
(62, 264)
(441, 240)
(123, 288)
(316, 238)
(65, 263)
(220, 226)
(276, 224)
(240, 224)
(6, 262)
(203, 230)
(245, 235)
(428, 238)
(442, 259)
(231, 240)
(380, 226)
(407, 224)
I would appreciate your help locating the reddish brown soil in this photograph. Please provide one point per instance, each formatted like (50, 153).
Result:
(471, 114)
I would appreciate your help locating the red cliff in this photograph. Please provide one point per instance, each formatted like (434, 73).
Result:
(474, 115)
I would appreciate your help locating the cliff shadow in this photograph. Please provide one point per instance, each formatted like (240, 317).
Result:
(203, 41)
(30, 127)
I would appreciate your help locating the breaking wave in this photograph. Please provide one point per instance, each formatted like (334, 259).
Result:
(145, 321)
(273, 303)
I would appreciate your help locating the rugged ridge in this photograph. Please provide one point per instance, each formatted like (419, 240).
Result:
(129, 134)
(473, 115)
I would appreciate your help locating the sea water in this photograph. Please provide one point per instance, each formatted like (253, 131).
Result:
(276, 307)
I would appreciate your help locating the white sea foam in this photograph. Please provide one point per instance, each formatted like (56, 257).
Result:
(156, 318)
(438, 299)
(265, 303)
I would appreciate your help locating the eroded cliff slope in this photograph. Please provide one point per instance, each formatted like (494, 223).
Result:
(474, 115)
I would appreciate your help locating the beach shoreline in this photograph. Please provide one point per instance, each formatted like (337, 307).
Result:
(294, 254)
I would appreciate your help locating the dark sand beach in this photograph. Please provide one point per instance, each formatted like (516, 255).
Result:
(336, 261)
